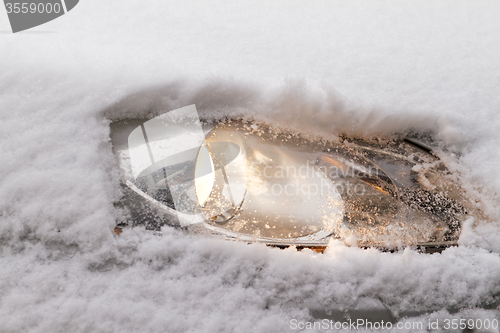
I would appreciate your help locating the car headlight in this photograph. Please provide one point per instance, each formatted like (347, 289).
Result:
(236, 180)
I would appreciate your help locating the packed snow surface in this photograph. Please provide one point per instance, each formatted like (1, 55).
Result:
(321, 68)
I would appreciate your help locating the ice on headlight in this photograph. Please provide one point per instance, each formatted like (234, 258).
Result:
(239, 181)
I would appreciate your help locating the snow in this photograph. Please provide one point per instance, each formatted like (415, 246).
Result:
(319, 67)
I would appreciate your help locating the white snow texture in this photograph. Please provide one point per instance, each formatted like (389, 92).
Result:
(365, 68)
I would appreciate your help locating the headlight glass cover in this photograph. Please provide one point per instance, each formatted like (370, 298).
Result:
(237, 180)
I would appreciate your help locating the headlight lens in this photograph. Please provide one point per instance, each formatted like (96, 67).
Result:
(240, 181)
